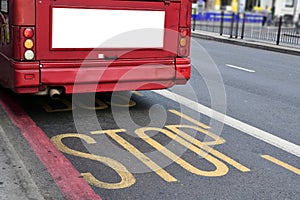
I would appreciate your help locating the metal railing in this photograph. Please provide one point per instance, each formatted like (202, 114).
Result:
(246, 26)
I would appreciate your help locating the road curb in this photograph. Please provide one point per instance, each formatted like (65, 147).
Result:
(247, 43)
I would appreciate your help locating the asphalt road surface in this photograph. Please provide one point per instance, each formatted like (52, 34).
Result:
(231, 133)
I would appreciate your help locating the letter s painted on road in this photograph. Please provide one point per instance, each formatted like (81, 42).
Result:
(127, 179)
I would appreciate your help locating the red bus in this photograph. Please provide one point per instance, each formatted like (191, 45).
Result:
(44, 44)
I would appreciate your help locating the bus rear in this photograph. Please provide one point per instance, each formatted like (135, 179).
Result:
(97, 46)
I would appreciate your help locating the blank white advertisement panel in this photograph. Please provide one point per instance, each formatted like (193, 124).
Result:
(99, 28)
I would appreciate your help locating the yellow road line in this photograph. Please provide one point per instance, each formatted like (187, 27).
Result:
(123, 104)
(127, 179)
(49, 109)
(220, 168)
(189, 119)
(138, 154)
(100, 104)
(282, 164)
(137, 93)
(205, 146)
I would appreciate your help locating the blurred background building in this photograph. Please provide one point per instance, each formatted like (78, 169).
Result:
(288, 9)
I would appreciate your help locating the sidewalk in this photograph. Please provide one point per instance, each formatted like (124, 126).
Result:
(15, 181)
(246, 42)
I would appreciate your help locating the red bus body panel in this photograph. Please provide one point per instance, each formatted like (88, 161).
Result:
(79, 70)
(23, 12)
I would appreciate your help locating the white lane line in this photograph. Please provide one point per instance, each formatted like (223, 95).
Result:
(240, 68)
(248, 129)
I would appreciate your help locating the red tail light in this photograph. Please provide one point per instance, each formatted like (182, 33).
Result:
(183, 46)
(28, 40)
(183, 32)
(28, 32)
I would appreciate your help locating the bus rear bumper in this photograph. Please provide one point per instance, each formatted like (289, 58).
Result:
(92, 76)
(23, 77)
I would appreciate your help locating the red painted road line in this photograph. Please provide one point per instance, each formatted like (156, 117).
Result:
(68, 179)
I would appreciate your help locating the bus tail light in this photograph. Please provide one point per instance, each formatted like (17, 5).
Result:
(183, 42)
(183, 47)
(28, 33)
(28, 43)
(29, 55)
